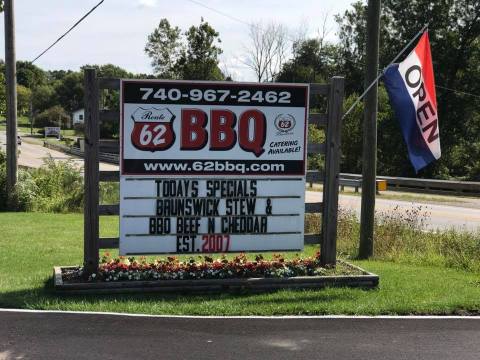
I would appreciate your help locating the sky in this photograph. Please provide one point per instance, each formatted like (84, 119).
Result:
(116, 32)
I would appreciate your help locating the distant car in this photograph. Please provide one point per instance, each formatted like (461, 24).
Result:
(19, 140)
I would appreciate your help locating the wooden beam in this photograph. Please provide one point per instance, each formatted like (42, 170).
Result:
(318, 119)
(315, 176)
(319, 89)
(109, 83)
(332, 169)
(109, 176)
(109, 116)
(113, 209)
(91, 174)
(309, 239)
(314, 207)
(109, 243)
(316, 148)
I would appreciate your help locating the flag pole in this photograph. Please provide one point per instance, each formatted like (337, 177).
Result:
(381, 73)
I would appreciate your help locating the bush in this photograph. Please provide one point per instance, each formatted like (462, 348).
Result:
(3, 181)
(52, 117)
(316, 136)
(79, 129)
(24, 191)
(59, 187)
(68, 141)
(109, 193)
(402, 236)
(54, 187)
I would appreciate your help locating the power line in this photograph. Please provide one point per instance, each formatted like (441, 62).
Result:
(74, 25)
(294, 40)
(220, 12)
(457, 91)
(259, 27)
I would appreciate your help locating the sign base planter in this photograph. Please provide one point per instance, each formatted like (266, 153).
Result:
(364, 280)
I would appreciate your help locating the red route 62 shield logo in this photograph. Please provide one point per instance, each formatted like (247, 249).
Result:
(153, 129)
(284, 123)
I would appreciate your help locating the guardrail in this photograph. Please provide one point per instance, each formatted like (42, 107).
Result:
(104, 157)
(431, 186)
(445, 187)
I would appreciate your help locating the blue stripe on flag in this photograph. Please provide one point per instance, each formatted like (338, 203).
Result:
(420, 154)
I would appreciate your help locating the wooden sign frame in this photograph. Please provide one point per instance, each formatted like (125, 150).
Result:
(331, 121)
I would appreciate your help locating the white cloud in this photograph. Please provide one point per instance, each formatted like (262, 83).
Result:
(147, 3)
(233, 64)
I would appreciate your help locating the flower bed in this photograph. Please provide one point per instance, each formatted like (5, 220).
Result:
(205, 267)
(205, 274)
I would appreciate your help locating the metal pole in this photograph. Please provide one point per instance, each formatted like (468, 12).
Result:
(11, 79)
(370, 133)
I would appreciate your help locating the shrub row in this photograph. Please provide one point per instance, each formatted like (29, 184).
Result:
(57, 186)
(402, 237)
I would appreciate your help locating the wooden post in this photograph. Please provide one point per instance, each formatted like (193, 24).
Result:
(369, 168)
(332, 167)
(31, 115)
(91, 177)
(11, 80)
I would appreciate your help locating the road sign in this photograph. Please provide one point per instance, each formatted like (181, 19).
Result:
(212, 166)
(52, 131)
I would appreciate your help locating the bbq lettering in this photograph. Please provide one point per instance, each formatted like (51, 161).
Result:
(250, 132)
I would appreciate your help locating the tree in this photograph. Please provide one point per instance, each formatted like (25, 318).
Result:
(30, 75)
(57, 75)
(313, 61)
(199, 60)
(455, 39)
(24, 95)
(43, 97)
(267, 51)
(69, 91)
(54, 116)
(109, 71)
(163, 47)
(193, 56)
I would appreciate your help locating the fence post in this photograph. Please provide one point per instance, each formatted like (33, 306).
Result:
(332, 170)
(91, 175)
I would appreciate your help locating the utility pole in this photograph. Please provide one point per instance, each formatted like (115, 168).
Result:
(31, 114)
(11, 78)
(369, 162)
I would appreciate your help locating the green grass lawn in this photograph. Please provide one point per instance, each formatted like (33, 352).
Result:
(23, 128)
(32, 243)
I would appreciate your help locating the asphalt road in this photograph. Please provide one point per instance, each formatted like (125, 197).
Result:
(439, 216)
(32, 155)
(88, 336)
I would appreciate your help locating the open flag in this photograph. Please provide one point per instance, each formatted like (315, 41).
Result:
(411, 89)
